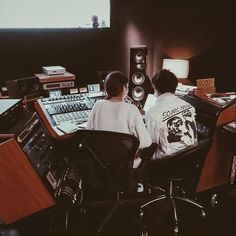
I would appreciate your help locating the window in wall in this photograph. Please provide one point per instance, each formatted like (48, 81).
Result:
(54, 13)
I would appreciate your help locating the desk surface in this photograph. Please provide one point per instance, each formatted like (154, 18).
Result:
(6, 104)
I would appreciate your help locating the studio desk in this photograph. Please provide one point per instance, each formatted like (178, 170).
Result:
(35, 174)
(211, 118)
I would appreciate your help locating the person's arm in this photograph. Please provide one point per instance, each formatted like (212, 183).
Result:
(91, 119)
(153, 127)
(148, 152)
(140, 131)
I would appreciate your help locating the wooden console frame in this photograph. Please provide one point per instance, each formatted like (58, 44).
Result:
(22, 192)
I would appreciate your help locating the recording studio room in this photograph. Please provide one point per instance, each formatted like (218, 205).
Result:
(117, 117)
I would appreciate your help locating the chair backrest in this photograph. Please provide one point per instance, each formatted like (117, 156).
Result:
(186, 164)
(108, 158)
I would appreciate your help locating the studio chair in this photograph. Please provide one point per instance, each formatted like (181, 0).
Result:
(107, 170)
(175, 178)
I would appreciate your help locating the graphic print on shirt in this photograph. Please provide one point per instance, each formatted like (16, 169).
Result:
(180, 128)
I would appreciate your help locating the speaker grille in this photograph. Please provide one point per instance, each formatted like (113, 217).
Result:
(138, 93)
(139, 82)
(138, 78)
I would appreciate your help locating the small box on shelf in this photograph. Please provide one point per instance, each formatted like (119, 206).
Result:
(205, 86)
(206, 83)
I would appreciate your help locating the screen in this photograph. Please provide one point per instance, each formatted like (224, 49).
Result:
(93, 88)
(54, 14)
(55, 93)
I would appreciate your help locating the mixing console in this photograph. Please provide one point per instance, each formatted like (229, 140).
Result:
(66, 111)
(72, 108)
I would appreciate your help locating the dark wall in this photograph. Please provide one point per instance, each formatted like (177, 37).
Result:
(201, 31)
(82, 52)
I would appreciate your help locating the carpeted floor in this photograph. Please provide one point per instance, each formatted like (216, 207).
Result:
(220, 220)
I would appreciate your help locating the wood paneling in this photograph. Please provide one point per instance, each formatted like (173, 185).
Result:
(22, 192)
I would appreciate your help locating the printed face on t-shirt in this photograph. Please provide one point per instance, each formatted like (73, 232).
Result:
(181, 129)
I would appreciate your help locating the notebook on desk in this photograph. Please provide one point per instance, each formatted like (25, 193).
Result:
(150, 101)
(69, 127)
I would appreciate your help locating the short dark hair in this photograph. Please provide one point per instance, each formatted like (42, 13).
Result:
(114, 83)
(165, 81)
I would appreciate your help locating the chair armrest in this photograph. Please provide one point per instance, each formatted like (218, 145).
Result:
(148, 152)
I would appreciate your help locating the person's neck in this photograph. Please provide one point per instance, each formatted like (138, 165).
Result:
(117, 99)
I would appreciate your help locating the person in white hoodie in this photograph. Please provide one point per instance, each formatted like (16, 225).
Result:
(170, 121)
(114, 114)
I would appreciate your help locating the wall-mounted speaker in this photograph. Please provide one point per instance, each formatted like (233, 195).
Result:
(139, 83)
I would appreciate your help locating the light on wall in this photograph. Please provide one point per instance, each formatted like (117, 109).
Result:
(179, 67)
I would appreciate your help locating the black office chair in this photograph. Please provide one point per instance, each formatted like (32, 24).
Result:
(107, 169)
(179, 174)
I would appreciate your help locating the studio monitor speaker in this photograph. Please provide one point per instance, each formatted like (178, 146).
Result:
(102, 78)
(139, 83)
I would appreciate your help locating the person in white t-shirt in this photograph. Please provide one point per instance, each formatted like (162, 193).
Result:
(114, 114)
(171, 121)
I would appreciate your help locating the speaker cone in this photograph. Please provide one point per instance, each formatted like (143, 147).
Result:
(138, 78)
(141, 66)
(139, 56)
(138, 93)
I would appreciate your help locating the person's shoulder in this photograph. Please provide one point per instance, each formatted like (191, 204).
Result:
(154, 109)
(154, 113)
(131, 109)
(100, 102)
(130, 106)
